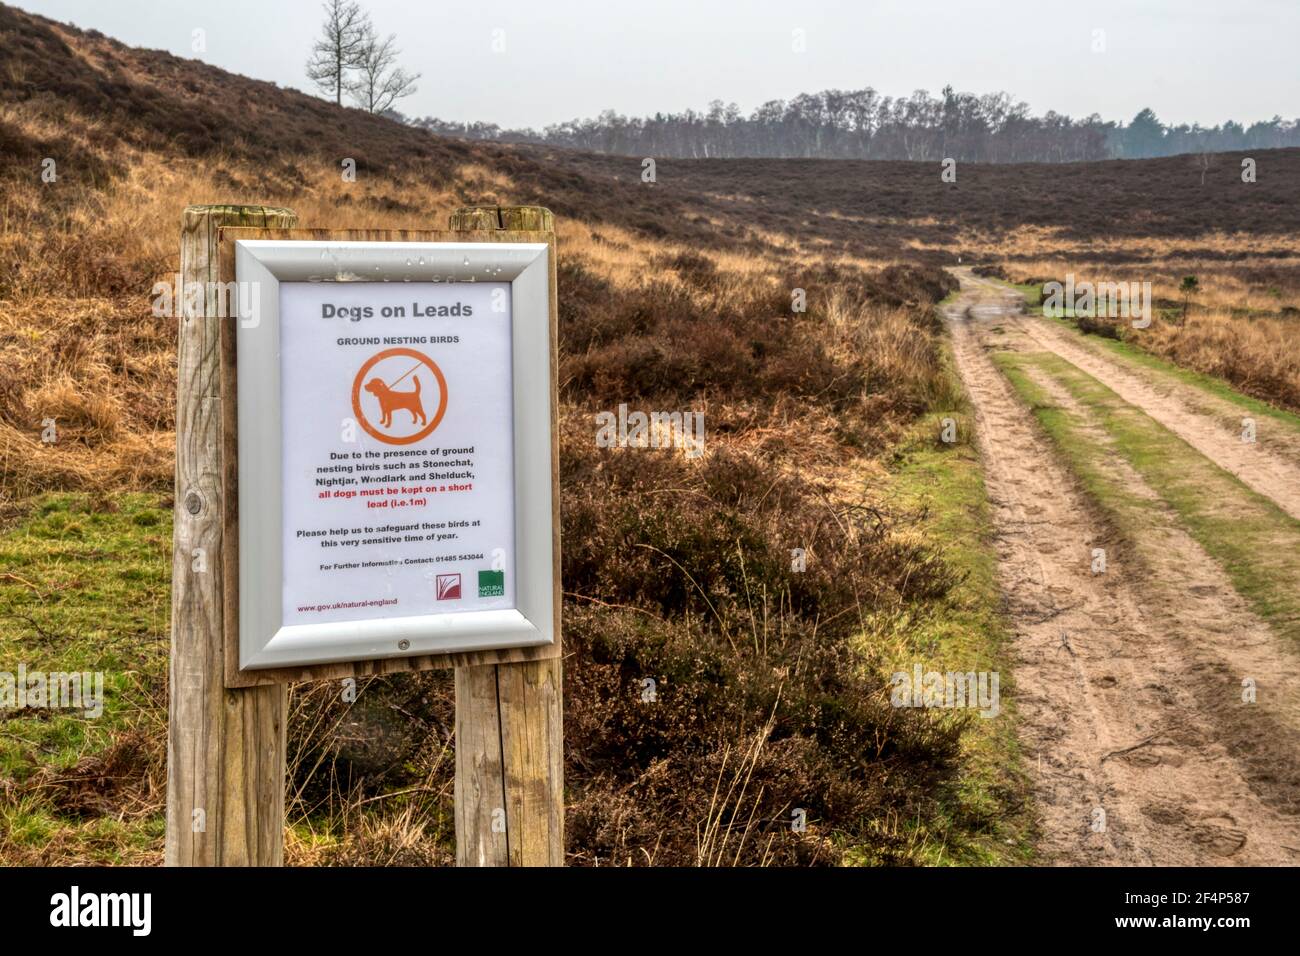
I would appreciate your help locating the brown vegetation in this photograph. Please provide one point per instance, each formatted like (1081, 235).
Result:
(1002, 212)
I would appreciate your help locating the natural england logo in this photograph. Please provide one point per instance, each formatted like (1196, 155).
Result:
(491, 584)
(951, 690)
(1113, 300)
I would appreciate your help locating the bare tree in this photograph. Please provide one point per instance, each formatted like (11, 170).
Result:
(379, 82)
(343, 40)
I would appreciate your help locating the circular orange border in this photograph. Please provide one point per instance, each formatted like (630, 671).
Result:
(356, 396)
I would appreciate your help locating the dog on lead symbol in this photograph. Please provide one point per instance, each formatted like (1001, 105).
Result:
(391, 400)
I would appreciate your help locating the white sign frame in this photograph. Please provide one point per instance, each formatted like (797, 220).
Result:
(264, 641)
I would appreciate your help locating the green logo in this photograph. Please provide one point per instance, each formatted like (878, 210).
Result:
(491, 584)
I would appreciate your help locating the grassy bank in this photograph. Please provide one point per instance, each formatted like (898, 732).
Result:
(965, 630)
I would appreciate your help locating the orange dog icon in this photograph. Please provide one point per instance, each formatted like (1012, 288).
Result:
(391, 400)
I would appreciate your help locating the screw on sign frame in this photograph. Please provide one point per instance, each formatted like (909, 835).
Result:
(421, 359)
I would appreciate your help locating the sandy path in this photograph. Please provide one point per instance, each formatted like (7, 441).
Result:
(1270, 465)
(1127, 682)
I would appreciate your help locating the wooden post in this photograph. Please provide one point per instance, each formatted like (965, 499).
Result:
(225, 748)
(509, 717)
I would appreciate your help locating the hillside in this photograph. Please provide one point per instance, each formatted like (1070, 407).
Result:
(881, 207)
(101, 108)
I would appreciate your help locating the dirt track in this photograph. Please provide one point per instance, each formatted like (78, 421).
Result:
(1128, 683)
(1270, 465)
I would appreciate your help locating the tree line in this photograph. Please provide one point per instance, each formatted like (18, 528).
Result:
(862, 124)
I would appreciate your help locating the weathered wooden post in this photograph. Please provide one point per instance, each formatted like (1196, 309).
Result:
(509, 716)
(225, 747)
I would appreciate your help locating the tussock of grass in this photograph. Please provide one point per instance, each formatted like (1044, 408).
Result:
(1258, 356)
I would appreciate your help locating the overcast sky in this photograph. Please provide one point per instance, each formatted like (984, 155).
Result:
(1190, 60)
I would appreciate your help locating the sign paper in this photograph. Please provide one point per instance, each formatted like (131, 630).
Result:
(397, 435)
